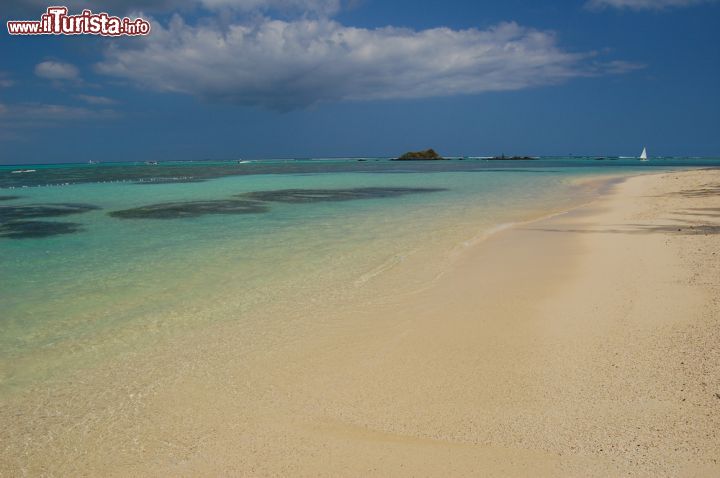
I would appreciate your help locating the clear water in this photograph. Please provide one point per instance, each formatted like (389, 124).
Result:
(117, 285)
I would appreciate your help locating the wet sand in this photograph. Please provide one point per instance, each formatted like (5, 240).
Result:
(584, 344)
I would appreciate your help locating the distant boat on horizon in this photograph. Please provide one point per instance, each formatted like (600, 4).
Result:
(643, 155)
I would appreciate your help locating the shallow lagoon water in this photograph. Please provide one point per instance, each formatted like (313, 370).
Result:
(109, 283)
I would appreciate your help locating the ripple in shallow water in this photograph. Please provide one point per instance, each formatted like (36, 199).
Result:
(322, 195)
(176, 210)
(37, 229)
(8, 198)
(170, 180)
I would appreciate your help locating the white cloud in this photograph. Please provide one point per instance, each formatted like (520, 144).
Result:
(96, 100)
(643, 4)
(618, 67)
(292, 64)
(55, 70)
(5, 82)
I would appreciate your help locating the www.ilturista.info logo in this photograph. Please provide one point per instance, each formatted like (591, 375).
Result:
(56, 21)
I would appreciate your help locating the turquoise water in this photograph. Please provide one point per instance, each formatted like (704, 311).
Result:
(112, 284)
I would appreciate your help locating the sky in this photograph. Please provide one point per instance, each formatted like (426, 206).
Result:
(228, 79)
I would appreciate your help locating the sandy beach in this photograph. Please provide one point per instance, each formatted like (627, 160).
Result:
(582, 344)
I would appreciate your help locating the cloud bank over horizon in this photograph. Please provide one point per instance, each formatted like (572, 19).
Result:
(285, 65)
(291, 54)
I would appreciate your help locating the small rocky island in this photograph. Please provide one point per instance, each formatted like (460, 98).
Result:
(428, 154)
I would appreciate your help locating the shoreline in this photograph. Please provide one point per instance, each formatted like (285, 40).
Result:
(398, 265)
(551, 347)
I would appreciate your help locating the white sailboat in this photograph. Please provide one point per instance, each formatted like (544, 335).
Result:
(643, 155)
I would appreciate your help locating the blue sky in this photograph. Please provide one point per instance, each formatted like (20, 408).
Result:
(296, 78)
